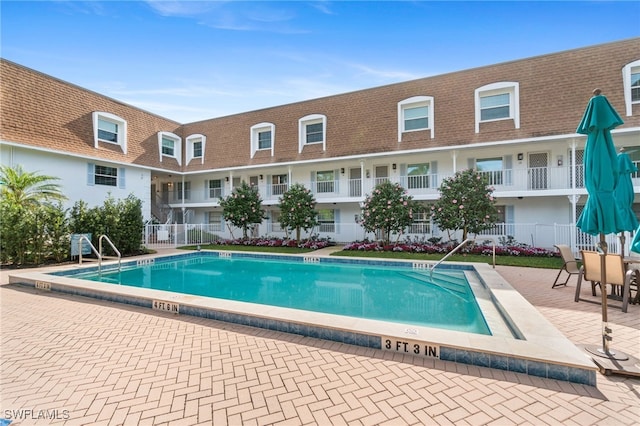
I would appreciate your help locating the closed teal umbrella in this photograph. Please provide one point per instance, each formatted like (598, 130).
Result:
(600, 168)
(624, 195)
(599, 216)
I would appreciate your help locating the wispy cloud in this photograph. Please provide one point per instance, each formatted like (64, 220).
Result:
(83, 7)
(236, 16)
(323, 6)
(382, 74)
(183, 8)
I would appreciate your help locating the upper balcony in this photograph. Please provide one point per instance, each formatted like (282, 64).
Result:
(342, 189)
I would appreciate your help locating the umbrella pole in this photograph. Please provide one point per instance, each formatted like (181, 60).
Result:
(606, 338)
(622, 241)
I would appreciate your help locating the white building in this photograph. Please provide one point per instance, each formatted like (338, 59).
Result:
(514, 121)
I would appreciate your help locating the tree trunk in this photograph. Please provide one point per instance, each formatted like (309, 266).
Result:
(298, 234)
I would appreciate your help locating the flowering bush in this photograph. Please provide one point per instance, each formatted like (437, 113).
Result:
(297, 209)
(388, 209)
(311, 243)
(443, 248)
(466, 203)
(243, 208)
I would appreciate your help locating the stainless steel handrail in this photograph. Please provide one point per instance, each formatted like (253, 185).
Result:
(98, 252)
(113, 247)
(93, 249)
(458, 247)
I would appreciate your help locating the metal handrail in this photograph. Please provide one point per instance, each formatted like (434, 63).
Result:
(459, 246)
(93, 249)
(98, 252)
(113, 247)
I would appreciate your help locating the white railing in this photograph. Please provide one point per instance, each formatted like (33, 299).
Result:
(355, 187)
(507, 180)
(532, 234)
(325, 187)
(277, 189)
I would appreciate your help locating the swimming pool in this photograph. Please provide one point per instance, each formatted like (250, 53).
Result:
(398, 293)
(521, 339)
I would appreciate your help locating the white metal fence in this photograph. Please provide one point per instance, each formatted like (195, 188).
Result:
(533, 234)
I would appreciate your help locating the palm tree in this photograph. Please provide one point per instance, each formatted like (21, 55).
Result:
(28, 189)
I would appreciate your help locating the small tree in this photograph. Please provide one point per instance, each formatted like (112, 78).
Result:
(466, 203)
(243, 208)
(297, 209)
(388, 209)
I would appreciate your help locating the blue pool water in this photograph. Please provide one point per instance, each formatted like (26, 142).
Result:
(395, 294)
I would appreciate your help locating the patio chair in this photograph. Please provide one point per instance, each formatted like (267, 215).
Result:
(570, 265)
(617, 275)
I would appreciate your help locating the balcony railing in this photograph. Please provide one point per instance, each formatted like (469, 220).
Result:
(529, 179)
(277, 189)
(355, 187)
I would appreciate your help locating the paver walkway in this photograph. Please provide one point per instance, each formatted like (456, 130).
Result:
(92, 362)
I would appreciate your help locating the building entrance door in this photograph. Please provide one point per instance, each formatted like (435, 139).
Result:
(538, 170)
(355, 182)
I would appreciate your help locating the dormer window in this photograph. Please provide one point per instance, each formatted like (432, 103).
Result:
(497, 101)
(415, 114)
(107, 131)
(195, 147)
(110, 129)
(262, 138)
(631, 83)
(494, 107)
(169, 145)
(313, 130)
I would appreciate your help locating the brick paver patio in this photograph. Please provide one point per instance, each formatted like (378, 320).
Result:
(86, 361)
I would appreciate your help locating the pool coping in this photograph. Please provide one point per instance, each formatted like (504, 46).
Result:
(542, 352)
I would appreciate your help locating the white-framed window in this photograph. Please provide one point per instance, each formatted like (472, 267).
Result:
(195, 147)
(109, 128)
(181, 190)
(170, 145)
(312, 130)
(421, 223)
(415, 114)
(279, 184)
(327, 220)
(631, 83)
(498, 101)
(262, 137)
(492, 168)
(275, 222)
(98, 174)
(325, 181)
(418, 176)
(215, 220)
(214, 188)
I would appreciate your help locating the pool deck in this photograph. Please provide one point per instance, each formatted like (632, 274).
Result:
(97, 362)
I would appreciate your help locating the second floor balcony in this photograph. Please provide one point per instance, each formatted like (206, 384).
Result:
(342, 188)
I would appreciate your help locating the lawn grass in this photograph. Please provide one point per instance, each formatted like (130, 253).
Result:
(530, 262)
(527, 262)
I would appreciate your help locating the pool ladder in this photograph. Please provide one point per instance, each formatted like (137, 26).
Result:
(458, 247)
(100, 257)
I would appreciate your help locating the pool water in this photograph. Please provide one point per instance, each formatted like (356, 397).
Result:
(395, 294)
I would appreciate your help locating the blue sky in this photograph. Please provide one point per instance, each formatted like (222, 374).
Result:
(194, 60)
